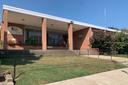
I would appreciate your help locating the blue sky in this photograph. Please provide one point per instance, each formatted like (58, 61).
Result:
(89, 11)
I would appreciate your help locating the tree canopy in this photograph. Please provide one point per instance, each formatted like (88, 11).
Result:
(110, 42)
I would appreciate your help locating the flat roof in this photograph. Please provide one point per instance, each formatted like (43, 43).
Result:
(38, 14)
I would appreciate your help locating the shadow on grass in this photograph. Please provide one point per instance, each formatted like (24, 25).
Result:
(19, 57)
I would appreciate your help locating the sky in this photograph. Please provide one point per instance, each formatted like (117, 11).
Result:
(107, 13)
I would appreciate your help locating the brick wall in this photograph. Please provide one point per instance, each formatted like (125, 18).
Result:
(82, 39)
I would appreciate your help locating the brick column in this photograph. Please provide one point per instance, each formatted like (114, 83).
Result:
(44, 34)
(88, 38)
(1, 32)
(4, 28)
(70, 36)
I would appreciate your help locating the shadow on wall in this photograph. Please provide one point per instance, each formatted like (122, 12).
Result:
(80, 39)
(19, 57)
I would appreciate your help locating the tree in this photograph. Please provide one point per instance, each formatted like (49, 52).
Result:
(122, 42)
(114, 42)
(103, 41)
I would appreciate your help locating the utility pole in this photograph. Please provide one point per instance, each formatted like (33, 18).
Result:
(105, 19)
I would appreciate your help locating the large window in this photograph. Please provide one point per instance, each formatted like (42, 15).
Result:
(56, 39)
(53, 38)
(33, 37)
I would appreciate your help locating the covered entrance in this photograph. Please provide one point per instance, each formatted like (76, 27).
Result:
(24, 29)
(33, 37)
(55, 39)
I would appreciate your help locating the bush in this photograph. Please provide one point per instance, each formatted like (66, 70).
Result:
(110, 43)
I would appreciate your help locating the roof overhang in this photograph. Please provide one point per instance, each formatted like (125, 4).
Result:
(31, 15)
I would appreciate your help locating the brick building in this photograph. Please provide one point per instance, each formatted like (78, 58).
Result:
(25, 29)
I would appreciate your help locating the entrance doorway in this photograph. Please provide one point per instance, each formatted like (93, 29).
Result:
(57, 40)
(33, 37)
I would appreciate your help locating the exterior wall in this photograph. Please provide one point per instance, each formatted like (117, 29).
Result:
(82, 39)
(101, 31)
(98, 30)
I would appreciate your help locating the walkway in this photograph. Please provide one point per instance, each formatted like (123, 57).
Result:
(117, 59)
(115, 77)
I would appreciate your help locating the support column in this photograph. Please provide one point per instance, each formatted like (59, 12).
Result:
(1, 32)
(44, 34)
(70, 36)
(4, 29)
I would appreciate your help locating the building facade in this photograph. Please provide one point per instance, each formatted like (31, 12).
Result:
(25, 29)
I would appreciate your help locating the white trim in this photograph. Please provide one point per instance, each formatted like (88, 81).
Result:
(19, 10)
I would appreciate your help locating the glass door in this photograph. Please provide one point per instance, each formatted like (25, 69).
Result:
(33, 37)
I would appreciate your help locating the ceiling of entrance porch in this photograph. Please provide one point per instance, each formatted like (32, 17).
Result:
(35, 21)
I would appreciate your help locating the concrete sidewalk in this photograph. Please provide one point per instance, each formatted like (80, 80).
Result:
(115, 77)
(117, 59)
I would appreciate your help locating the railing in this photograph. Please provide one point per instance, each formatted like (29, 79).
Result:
(92, 51)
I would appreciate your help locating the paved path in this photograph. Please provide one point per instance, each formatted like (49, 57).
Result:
(117, 59)
(115, 77)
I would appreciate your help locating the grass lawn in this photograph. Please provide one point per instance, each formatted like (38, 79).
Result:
(49, 69)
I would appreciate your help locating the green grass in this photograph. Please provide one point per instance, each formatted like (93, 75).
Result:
(55, 68)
